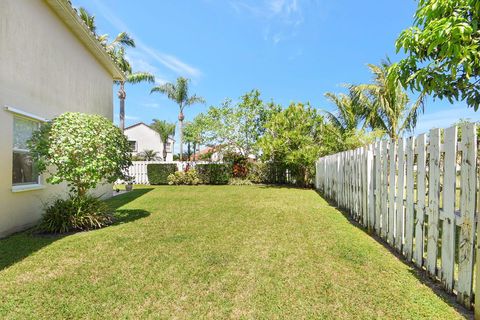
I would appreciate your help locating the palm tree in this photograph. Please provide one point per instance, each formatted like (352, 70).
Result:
(116, 50)
(178, 92)
(387, 105)
(350, 110)
(166, 131)
(149, 155)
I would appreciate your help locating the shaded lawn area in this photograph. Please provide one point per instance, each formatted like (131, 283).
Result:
(214, 252)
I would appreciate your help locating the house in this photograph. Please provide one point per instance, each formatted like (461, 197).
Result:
(50, 63)
(142, 137)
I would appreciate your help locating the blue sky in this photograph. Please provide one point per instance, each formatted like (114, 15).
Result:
(291, 50)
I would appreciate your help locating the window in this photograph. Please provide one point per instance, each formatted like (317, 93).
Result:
(133, 146)
(24, 171)
(169, 147)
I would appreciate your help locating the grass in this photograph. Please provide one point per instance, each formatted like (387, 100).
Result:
(241, 252)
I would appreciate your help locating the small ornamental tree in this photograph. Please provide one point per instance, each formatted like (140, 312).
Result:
(80, 149)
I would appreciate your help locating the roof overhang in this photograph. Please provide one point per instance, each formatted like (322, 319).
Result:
(67, 14)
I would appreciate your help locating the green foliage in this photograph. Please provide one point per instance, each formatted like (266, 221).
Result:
(148, 155)
(180, 177)
(258, 172)
(443, 52)
(294, 138)
(214, 173)
(158, 172)
(75, 214)
(238, 127)
(239, 182)
(81, 149)
(386, 104)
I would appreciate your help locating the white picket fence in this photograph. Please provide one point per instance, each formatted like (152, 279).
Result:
(138, 169)
(410, 194)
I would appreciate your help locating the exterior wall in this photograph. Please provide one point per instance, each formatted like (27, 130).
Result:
(45, 71)
(147, 139)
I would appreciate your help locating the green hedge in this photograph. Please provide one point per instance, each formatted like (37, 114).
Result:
(214, 173)
(158, 172)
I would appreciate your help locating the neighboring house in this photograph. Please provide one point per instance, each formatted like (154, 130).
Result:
(50, 63)
(142, 137)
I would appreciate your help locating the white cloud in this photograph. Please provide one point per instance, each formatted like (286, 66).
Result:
(169, 61)
(281, 17)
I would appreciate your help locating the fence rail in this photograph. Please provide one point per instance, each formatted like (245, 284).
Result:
(419, 195)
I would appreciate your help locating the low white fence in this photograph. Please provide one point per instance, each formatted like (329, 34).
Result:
(419, 195)
(138, 169)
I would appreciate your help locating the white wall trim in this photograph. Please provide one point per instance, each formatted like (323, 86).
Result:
(27, 187)
(24, 113)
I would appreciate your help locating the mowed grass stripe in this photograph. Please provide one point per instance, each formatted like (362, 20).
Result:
(214, 252)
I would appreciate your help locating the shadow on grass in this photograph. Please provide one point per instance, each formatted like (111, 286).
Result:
(420, 274)
(19, 246)
(121, 200)
(284, 186)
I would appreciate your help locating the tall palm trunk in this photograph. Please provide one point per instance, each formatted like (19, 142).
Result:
(165, 151)
(122, 95)
(181, 117)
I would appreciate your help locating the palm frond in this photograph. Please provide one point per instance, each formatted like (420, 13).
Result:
(138, 77)
(123, 39)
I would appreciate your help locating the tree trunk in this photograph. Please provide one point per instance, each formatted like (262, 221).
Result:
(164, 151)
(122, 95)
(180, 129)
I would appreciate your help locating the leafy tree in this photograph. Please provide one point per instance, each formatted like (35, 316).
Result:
(294, 137)
(238, 127)
(149, 155)
(387, 105)
(443, 52)
(194, 132)
(178, 92)
(166, 131)
(117, 50)
(81, 149)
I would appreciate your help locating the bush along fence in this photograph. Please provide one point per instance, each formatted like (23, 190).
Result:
(156, 172)
(419, 195)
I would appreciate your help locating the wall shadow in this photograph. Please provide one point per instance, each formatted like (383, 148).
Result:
(420, 274)
(19, 246)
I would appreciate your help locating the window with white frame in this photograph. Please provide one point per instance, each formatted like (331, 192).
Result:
(24, 171)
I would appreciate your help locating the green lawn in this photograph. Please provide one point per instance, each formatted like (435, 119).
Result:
(246, 252)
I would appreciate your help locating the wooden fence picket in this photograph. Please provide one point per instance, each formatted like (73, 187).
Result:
(392, 193)
(399, 210)
(433, 201)
(420, 208)
(467, 210)
(448, 214)
(409, 199)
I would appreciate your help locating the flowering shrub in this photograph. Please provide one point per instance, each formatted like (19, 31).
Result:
(180, 177)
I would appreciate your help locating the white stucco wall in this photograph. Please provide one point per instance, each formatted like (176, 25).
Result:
(148, 139)
(45, 71)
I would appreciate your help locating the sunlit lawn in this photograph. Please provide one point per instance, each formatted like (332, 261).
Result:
(213, 252)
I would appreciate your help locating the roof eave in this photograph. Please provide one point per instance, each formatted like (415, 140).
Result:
(68, 15)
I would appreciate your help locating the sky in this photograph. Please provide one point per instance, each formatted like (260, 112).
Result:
(290, 50)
